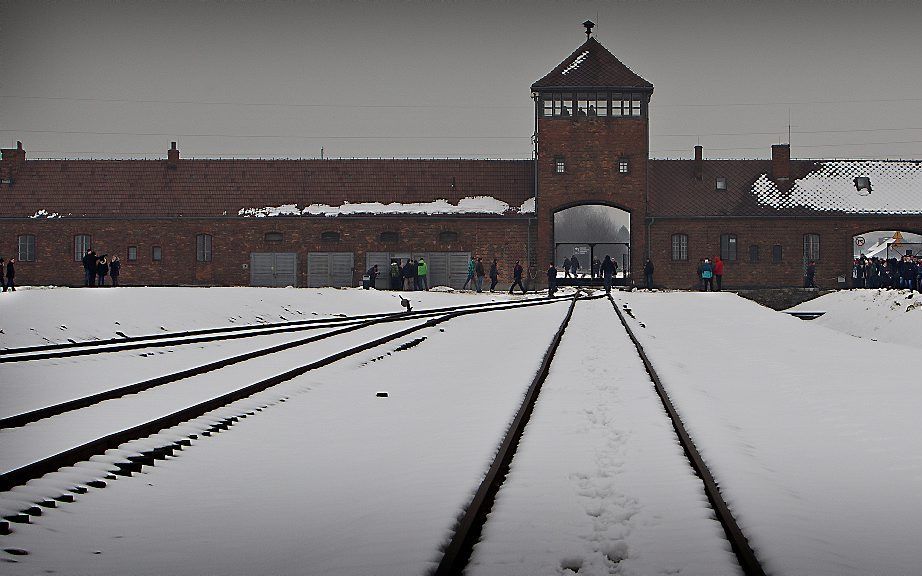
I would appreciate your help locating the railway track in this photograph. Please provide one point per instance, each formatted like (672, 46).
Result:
(470, 527)
(89, 347)
(121, 457)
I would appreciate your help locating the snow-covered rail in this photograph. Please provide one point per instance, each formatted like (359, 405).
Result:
(83, 348)
(133, 459)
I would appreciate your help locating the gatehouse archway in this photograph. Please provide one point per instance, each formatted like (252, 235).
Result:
(586, 233)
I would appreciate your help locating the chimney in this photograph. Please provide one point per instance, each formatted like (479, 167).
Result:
(172, 156)
(699, 162)
(11, 160)
(781, 162)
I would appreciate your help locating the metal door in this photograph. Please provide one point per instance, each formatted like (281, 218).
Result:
(329, 269)
(383, 260)
(273, 269)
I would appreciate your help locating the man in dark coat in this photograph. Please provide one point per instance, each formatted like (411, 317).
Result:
(574, 265)
(89, 268)
(811, 274)
(494, 275)
(566, 267)
(102, 270)
(551, 280)
(648, 273)
(10, 275)
(115, 268)
(372, 277)
(478, 269)
(607, 270)
(409, 270)
(517, 277)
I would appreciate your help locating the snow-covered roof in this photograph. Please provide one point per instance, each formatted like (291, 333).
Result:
(896, 188)
(469, 205)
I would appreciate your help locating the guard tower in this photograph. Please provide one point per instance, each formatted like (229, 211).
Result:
(592, 140)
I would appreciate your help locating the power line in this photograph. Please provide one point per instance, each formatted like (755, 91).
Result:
(798, 146)
(432, 106)
(176, 134)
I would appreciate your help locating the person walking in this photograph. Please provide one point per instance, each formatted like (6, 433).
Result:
(102, 270)
(517, 277)
(551, 280)
(566, 267)
(574, 265)
(422, 275)
(10, 276)
(707, 276)
(718, 271)
(607, 270)
(89, 268)
(2, 276)
(809, 281)
(648, 273)
(470, 274)
(115, 267)
(494, 275)
(478, 269)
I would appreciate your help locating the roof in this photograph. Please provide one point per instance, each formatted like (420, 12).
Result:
(206, 188)
(592, 65)
(818, 187)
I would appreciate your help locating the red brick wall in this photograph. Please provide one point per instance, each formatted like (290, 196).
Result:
(234, 239)
(836, 238)
(591, 148)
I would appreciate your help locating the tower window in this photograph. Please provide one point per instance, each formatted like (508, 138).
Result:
(721, 183)
(601, 104)
(623, 166)
(626, 104)
(559, 165)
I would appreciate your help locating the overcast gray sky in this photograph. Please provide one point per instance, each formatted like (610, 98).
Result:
(436, 79)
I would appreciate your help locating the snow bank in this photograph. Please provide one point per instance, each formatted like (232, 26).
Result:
(893, 316)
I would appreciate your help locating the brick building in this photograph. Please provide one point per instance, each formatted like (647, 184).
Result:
(324, 222)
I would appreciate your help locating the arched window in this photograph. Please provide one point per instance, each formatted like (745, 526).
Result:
(728, 247)
(811, 247)
(389, 237)
(680, 247)
(448, 236)
(329, 236)
(274, 237)
(203, 248)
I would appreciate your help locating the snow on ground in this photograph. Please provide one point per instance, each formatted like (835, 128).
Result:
(41, 316)
(893, 316)
(333, 481)
(599, 484)
(812, 436)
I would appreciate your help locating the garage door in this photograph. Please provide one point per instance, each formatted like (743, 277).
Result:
(329, 269)
(273, 269)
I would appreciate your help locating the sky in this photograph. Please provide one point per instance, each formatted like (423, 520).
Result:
(449, 79)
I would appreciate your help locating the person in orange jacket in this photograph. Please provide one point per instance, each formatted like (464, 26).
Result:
(718, 271)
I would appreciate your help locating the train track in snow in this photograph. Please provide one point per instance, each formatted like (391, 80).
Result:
(458, 552)
(125, 450)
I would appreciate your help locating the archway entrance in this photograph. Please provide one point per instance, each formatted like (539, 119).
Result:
(585, 234)
(885, 259)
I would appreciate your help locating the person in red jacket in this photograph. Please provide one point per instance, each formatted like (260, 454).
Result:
(718, 271)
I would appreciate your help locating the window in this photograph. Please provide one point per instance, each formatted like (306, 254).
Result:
(623, 165)
(27, 248)
(583, 103)
(81, 245)
(776, 254)
(559, 165)
(728, 247)
(202, 248)
(446, 237)
(566, 105)
(721, 183)
(274, 237)
(156, 253)
(329, 236)
(754, 253)
(680, 247)
(625, 104)
(601, 104)
(811, 247)
(389, 237)
(132, 253)
(587, 104)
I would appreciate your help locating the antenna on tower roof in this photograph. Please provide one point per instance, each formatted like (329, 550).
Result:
(589, 24)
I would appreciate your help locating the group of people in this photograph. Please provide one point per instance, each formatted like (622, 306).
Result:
(96, 268)
(606, 269)
(905, 272)
(410, 275)
(710, 274)
(8, 275)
